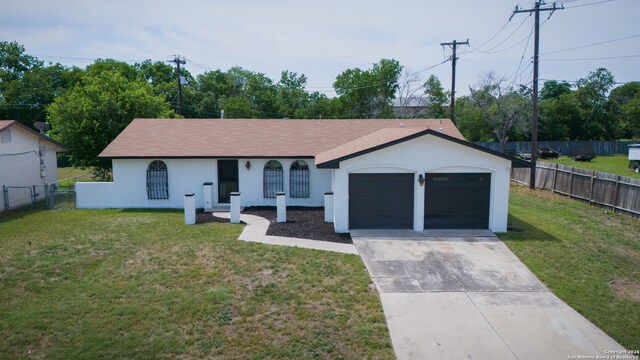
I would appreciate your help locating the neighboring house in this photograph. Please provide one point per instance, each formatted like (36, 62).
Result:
(27, 158)
(411, 107)
(411, 173)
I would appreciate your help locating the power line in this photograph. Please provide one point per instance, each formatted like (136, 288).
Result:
(593, 44)
(593, 3)
(472, 49)
(522, 57)
(505, 39)
(595, 58)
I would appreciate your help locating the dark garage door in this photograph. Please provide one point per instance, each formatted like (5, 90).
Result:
(381, 201)
(457, 201)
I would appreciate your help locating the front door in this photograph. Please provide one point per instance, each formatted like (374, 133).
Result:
(227, 180)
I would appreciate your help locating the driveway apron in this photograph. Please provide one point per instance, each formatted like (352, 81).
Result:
(470, 297)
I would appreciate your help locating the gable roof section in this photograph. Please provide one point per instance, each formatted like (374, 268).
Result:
(330, 159)
(6, 124)
(252, 138)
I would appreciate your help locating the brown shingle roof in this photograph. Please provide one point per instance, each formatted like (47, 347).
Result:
(372, 140)
(148, 138)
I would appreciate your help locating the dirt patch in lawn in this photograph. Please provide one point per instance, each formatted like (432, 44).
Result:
(302, 222)
(626, 289)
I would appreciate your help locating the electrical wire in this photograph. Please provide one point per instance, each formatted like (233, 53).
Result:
(589, 4)
(507, 38)
(595, 58)
(522, 57)
(593, 44)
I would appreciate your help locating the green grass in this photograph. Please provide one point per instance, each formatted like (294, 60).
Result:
(615, 164)
(576, 250)
(141, 284)
(70, 175)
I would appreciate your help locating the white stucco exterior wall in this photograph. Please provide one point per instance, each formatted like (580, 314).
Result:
(20, 161)
(128, 189)
(427, 154)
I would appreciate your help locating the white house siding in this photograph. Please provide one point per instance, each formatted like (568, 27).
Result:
(20, 165)
(428, 154)
(185, 176)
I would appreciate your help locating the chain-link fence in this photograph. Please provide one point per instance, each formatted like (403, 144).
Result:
(53, 196)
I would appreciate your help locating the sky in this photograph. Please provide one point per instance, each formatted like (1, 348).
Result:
(323, 38)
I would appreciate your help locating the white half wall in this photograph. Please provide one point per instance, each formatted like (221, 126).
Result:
(185, 176)
(428, 154)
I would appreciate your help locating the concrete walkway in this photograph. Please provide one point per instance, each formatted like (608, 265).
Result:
(256, 231)
(471, 298)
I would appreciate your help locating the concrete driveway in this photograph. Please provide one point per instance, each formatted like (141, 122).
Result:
(471, 298)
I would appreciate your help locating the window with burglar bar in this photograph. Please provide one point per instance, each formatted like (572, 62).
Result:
(157, 181)
(299, 179)
(272, 179)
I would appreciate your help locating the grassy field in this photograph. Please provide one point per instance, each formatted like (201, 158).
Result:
(616, 164)
(141, 284)
(576, 250)
(71, 172)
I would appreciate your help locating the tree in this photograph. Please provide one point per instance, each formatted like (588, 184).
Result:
(292, 97)
(472, 121)
(368, 93)
(593, 101)
(89, 116)
(436, 98)
(623, 106)
(552, 89)
(505, 108)
(27, 86)
(410, 95)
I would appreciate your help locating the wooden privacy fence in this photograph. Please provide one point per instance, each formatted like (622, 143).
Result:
(618, 192)
(566, 147)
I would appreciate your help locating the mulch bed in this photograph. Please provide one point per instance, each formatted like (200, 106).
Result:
(207, 217)
(302, 222)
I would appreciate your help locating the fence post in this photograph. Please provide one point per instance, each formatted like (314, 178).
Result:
(593, 174)
(555, 176)
(615, 193)
(571, 181)
(5, 195)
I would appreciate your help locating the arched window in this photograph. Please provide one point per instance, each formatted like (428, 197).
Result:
(157, 181)
(272, 179)
(299, 179)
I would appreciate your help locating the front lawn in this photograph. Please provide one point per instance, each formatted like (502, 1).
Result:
(577, 250)
(615, 164)
(141, 284)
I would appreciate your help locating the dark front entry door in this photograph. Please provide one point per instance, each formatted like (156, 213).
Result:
(227, 179)
(381, 201)
(457, 201)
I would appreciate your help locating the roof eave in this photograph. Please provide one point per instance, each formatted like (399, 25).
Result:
(335, 163)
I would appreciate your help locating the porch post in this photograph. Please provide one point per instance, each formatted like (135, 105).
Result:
(208, 195)
(282, 207)
(328, 206)
(235, 207)
(189, 209)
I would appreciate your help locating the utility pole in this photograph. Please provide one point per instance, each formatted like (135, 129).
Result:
(454, 45)
(178, 60)
(536, 41)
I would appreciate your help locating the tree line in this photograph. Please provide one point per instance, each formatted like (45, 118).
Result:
(87, 107)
